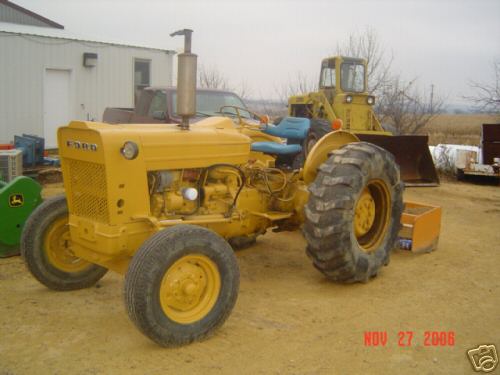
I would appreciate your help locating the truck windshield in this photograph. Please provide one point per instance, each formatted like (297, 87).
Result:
(352, 77)
(209, 103)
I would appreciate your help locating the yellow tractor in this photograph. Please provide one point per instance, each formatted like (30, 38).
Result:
(162, 205)
(342, 102)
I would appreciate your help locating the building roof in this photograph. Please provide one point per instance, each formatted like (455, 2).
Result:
(30, 14)
(29, 31)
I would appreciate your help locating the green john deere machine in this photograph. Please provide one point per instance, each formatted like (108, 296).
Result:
(343, 103)
(18, 198)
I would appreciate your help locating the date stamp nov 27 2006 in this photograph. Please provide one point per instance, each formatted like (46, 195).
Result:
(483, 358)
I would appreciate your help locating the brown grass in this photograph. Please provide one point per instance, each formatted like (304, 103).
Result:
(457, 129)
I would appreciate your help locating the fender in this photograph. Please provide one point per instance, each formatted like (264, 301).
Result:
(319, 153)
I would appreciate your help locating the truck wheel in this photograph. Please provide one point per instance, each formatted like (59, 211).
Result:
(317, 130)
(46, 249)
(353, 213)
(181, 285)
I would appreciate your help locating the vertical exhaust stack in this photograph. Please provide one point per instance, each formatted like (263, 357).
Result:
(186, 80)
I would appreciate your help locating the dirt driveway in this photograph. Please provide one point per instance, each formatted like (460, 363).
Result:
(288, 319)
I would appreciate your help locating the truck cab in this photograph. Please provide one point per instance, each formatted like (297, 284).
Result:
(158, 105)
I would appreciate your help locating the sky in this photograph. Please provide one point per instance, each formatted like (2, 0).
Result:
(264, 44)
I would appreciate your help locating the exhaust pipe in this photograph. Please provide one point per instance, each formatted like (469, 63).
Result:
(186, 80)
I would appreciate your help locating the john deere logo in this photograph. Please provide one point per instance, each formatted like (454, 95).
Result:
(16, 200)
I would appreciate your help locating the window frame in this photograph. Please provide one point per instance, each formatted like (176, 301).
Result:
(342, 76)
(141, 86)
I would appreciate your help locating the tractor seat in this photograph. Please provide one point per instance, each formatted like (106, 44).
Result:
(291, 128)
(275, 148)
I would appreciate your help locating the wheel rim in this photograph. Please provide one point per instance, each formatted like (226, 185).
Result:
(57, 247)
(372, 215)
(190, 288)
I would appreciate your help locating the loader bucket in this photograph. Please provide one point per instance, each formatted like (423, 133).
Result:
(412, 154)
(421, 225)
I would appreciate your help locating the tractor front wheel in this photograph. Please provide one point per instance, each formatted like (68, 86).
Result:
(353, 213)
(181, 285)
(47, 251)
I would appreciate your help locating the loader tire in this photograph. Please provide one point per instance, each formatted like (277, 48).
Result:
(181, 285)
(317, 130)
(353, 213)
(46, 249)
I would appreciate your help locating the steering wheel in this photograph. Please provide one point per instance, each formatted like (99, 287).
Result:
(243, 120)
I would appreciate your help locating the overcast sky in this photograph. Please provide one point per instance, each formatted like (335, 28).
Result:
(265, 43)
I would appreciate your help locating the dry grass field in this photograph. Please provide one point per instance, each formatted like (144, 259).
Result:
(457, 129)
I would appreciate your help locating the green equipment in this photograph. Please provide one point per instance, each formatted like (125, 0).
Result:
(18, 198)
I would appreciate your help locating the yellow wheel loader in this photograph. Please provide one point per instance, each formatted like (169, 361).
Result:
(343, 102)
(162, 205)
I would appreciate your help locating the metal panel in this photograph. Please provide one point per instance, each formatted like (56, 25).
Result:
(490, 142)
(490, 150)
(490, 133)
(8, 14)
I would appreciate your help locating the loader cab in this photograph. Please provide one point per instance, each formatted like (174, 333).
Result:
(342, 75)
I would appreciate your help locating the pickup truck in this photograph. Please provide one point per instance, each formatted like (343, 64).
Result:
(159, 104)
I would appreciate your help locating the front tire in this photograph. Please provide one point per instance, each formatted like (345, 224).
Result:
(353, 213)
(46, 249)
(181, 285)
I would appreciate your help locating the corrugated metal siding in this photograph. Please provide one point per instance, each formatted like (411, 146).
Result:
(7, 14)
(24, 59)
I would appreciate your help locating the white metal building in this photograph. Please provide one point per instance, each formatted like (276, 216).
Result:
(49, 76)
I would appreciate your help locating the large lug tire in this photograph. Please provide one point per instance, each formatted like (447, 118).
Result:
(181, 285)
(46, 249)
(353, 213)
(317, 130)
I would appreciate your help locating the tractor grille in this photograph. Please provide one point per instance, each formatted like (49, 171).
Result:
(88, 190)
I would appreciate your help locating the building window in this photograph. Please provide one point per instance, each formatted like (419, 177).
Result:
(142, 77)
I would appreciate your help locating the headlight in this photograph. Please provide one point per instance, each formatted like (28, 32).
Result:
(370, 100)
(190, 194)
(348, 99)
(130, 150)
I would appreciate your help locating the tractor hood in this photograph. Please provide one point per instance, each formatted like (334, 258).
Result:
(159, 146)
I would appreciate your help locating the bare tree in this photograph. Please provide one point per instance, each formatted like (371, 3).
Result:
(300, 84)
(400, 104)
(486, 97)
(405, 108)
(367, 45)
(242, 90)
(212, 78)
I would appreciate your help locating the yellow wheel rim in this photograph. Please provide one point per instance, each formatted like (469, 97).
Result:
(372, 215)
(190, 288)
(364, 213)
(57, 247)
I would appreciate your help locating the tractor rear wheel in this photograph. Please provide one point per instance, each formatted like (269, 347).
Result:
(181, 285)
(46, 249)
(353, 213)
